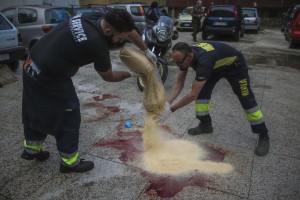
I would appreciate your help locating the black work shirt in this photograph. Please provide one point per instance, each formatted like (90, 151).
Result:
(72, 44)
(210, 57)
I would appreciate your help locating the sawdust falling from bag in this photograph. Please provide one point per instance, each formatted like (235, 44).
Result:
(154, 91)
(162, 154)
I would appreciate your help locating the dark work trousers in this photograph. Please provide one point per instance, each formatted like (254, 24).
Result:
(50, 106)
(196, 27)
(238, 77)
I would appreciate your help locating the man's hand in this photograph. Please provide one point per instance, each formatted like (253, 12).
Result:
(151, 56)
(166, 113)
(134, 74)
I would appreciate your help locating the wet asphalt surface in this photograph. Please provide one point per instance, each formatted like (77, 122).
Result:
(116, 150)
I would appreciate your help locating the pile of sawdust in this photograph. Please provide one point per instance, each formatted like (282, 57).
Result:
(174, 156)
(164, 155)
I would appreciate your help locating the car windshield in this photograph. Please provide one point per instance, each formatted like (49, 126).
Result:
(222, 11)
(186, 11)
(4, 25)
(83, 10)
(56, 15)
(249, 13)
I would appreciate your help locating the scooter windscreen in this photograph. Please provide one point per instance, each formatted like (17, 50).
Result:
(163, 28)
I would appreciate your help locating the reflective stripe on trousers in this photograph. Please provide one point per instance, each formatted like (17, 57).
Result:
(69, 159)
(254, 116)
(202, 107)
(33, 146)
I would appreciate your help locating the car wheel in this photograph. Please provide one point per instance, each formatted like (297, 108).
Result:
(291, 43)
(204, 35)
(13, 65)
(162, 70)
(237, 36)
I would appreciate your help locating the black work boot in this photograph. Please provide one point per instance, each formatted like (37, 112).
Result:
(40, 156)
(83, 166)
(263, 145)
(201, 129)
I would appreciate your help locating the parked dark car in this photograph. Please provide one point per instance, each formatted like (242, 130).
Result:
(11, 49)
(33, 22)
(286, 19)
(224, 20)
(293, 28)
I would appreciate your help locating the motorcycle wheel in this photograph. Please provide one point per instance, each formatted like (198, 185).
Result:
(163, 72)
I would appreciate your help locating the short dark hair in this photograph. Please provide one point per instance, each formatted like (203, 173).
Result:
(120, 20)
(154, 4)
(182, 47)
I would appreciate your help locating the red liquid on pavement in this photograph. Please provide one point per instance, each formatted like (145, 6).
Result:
(130, 145)
(104, 96)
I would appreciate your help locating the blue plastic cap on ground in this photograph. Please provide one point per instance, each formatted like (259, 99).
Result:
(128, 124)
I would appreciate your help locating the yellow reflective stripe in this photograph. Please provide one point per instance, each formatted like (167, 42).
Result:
(225, 61)
(255, 116)
(33, 147)
(205, 46)
(202, 107)
(70, 160)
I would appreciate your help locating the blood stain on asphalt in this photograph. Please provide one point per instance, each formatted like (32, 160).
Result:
(102, 111)
(113, 109)
(169, 186)
(216, 154)
(104, 96)
(130, 144)
(130, 147)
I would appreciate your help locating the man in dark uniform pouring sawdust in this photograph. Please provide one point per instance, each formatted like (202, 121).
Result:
(50, 104)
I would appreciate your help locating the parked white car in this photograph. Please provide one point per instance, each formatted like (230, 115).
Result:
(252, 18)
(184, 21)
(11, 49)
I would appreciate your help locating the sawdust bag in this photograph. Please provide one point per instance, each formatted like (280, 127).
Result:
(154, 91)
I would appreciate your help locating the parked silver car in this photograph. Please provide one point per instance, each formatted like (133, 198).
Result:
(33, 22)
(252, 18)
(10, 44)
(138, 12)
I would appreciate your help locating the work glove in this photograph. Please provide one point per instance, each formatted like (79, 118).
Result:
(166, 113)
(150, 55)
(134, 74)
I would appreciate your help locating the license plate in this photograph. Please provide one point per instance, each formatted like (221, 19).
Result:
(186, 25)
(4, 57)
(220, 23)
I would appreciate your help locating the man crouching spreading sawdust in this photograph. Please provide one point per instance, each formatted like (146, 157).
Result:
(162, 154)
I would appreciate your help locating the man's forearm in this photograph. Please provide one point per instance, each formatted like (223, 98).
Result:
(115, 76)
(136, 39)
(183, 102)
(174, 93)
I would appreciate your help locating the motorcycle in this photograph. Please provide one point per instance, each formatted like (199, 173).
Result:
(158, 38)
